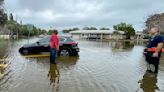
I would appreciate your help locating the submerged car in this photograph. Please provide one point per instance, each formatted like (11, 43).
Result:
(68, 46)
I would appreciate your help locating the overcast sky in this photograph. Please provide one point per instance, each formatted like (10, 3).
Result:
(80, 13)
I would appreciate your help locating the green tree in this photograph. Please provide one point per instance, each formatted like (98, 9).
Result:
(89, 28)
(86, 28)
(11, 17)
(12, 26)
(24, 30)
(51, 31)
(74, 29)
(69, 30)
(127, 28)
(104, 28)
(43, 31)
(3, 16)
(19, 29)
(66, 30)
(34, 32)
(115, 32)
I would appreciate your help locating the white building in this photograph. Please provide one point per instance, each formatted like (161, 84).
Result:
(98, 34)
(4, 33)
(139, 35)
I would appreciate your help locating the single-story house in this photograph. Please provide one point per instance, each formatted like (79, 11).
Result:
(139, 35)
(4, 33)
(98, 34)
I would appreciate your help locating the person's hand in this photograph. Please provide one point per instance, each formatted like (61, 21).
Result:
(155, 54)
(145, 51)
(57, 48)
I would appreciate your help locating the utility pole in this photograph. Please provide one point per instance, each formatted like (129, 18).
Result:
(17, 27)
(30, 28)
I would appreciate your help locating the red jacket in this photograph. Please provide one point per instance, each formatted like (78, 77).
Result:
(54, 41)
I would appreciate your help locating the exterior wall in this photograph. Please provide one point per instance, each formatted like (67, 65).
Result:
(84, 36)
(4, 36)
(104, 36)
(88, 36)
(107, 36)
(114, 36)
(4, 32)
(139, 36)
(123, 37)
(76, 36)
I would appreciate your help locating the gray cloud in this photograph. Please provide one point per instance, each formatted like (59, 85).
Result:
(62, 13)
(36, 5)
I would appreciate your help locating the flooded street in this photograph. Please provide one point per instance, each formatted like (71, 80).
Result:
(102, 66)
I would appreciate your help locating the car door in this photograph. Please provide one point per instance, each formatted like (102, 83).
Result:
(43, 44)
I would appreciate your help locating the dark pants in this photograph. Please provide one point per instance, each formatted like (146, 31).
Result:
(53, 55)
(152, 60)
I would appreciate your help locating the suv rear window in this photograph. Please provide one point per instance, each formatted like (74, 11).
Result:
(69, 39)
(62, 39)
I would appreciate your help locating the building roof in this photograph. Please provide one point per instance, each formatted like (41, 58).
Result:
(95, 31)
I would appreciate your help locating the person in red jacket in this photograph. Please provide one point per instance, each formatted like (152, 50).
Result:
(54, 46)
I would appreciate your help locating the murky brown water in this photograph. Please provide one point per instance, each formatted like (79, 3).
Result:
(100, 67)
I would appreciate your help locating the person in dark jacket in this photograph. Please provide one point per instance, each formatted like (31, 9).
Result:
(153, 57)
(149, 82)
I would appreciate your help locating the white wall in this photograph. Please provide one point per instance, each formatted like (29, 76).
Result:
(114, 36)
(4, 36)
(105, 36)
(75, 36)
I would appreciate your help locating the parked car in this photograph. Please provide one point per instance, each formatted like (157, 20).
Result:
(68, 46)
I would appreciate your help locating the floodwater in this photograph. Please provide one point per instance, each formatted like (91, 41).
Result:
(102, 66)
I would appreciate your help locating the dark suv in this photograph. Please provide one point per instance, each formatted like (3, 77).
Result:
(67, 47)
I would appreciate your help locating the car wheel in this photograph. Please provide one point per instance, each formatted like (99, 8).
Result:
(64, 52)
(25, 52)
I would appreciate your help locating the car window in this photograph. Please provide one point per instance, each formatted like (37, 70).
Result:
(44, 40)
(70, 40)
(62, 39)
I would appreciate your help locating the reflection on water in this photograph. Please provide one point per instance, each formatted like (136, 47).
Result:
(67, 62)
(102, 66)
(148, 83)
(4, 46)
(54, 75)
(3, 68)
(43, 64)
(122, 46)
